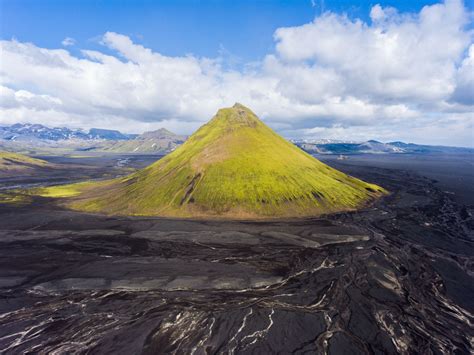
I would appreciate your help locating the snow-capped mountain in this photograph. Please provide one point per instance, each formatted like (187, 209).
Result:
(32, 132)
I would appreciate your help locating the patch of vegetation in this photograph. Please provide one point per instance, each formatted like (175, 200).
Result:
(15, 198)
(19, 162)
(60, 191)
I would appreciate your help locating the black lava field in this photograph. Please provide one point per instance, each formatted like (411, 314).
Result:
(394, 278)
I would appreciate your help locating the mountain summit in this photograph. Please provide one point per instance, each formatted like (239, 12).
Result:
(234, 167)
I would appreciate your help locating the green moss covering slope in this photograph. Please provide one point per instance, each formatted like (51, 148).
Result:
(14, 162)
(234, 167)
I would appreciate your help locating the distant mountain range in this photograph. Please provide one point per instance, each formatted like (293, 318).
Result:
(374, 147)
(38, 139)
(32, 132)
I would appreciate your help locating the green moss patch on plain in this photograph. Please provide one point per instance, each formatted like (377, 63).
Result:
(16, 198)
(60, 191)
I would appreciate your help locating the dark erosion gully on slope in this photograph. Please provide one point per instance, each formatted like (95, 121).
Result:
(393, 278)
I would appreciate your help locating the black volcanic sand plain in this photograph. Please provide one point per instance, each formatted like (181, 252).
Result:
(394, 278)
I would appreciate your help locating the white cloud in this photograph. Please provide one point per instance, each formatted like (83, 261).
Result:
(437, 130)
(403, 57)
(398, 76)
(380, 14)
(377, 13)
(464, 92)
(68, 41)
(22, 98)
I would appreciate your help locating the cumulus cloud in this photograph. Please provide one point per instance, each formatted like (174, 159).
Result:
(401, 57)
(380, 14)
(68, 41)
(396, 77)
(464, 92)
(22, 98)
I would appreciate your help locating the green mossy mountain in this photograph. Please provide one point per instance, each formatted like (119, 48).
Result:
(14, 163)
(232, 167)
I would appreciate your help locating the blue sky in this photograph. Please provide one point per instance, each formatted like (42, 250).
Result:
(350, 70)
(243, 28)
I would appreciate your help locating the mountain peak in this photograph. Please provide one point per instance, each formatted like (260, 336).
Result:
(240, 106)
(159, 133)
(236, 116)
(100, 133)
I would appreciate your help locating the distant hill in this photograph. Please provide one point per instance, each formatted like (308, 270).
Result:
(160, 141)
(233, 167)
(161, 133)
(14, 164)
(108, 134)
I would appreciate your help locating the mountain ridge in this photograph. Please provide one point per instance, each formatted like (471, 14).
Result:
(29, 131)
(14, 163)
(374, 147)
(36, 138)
